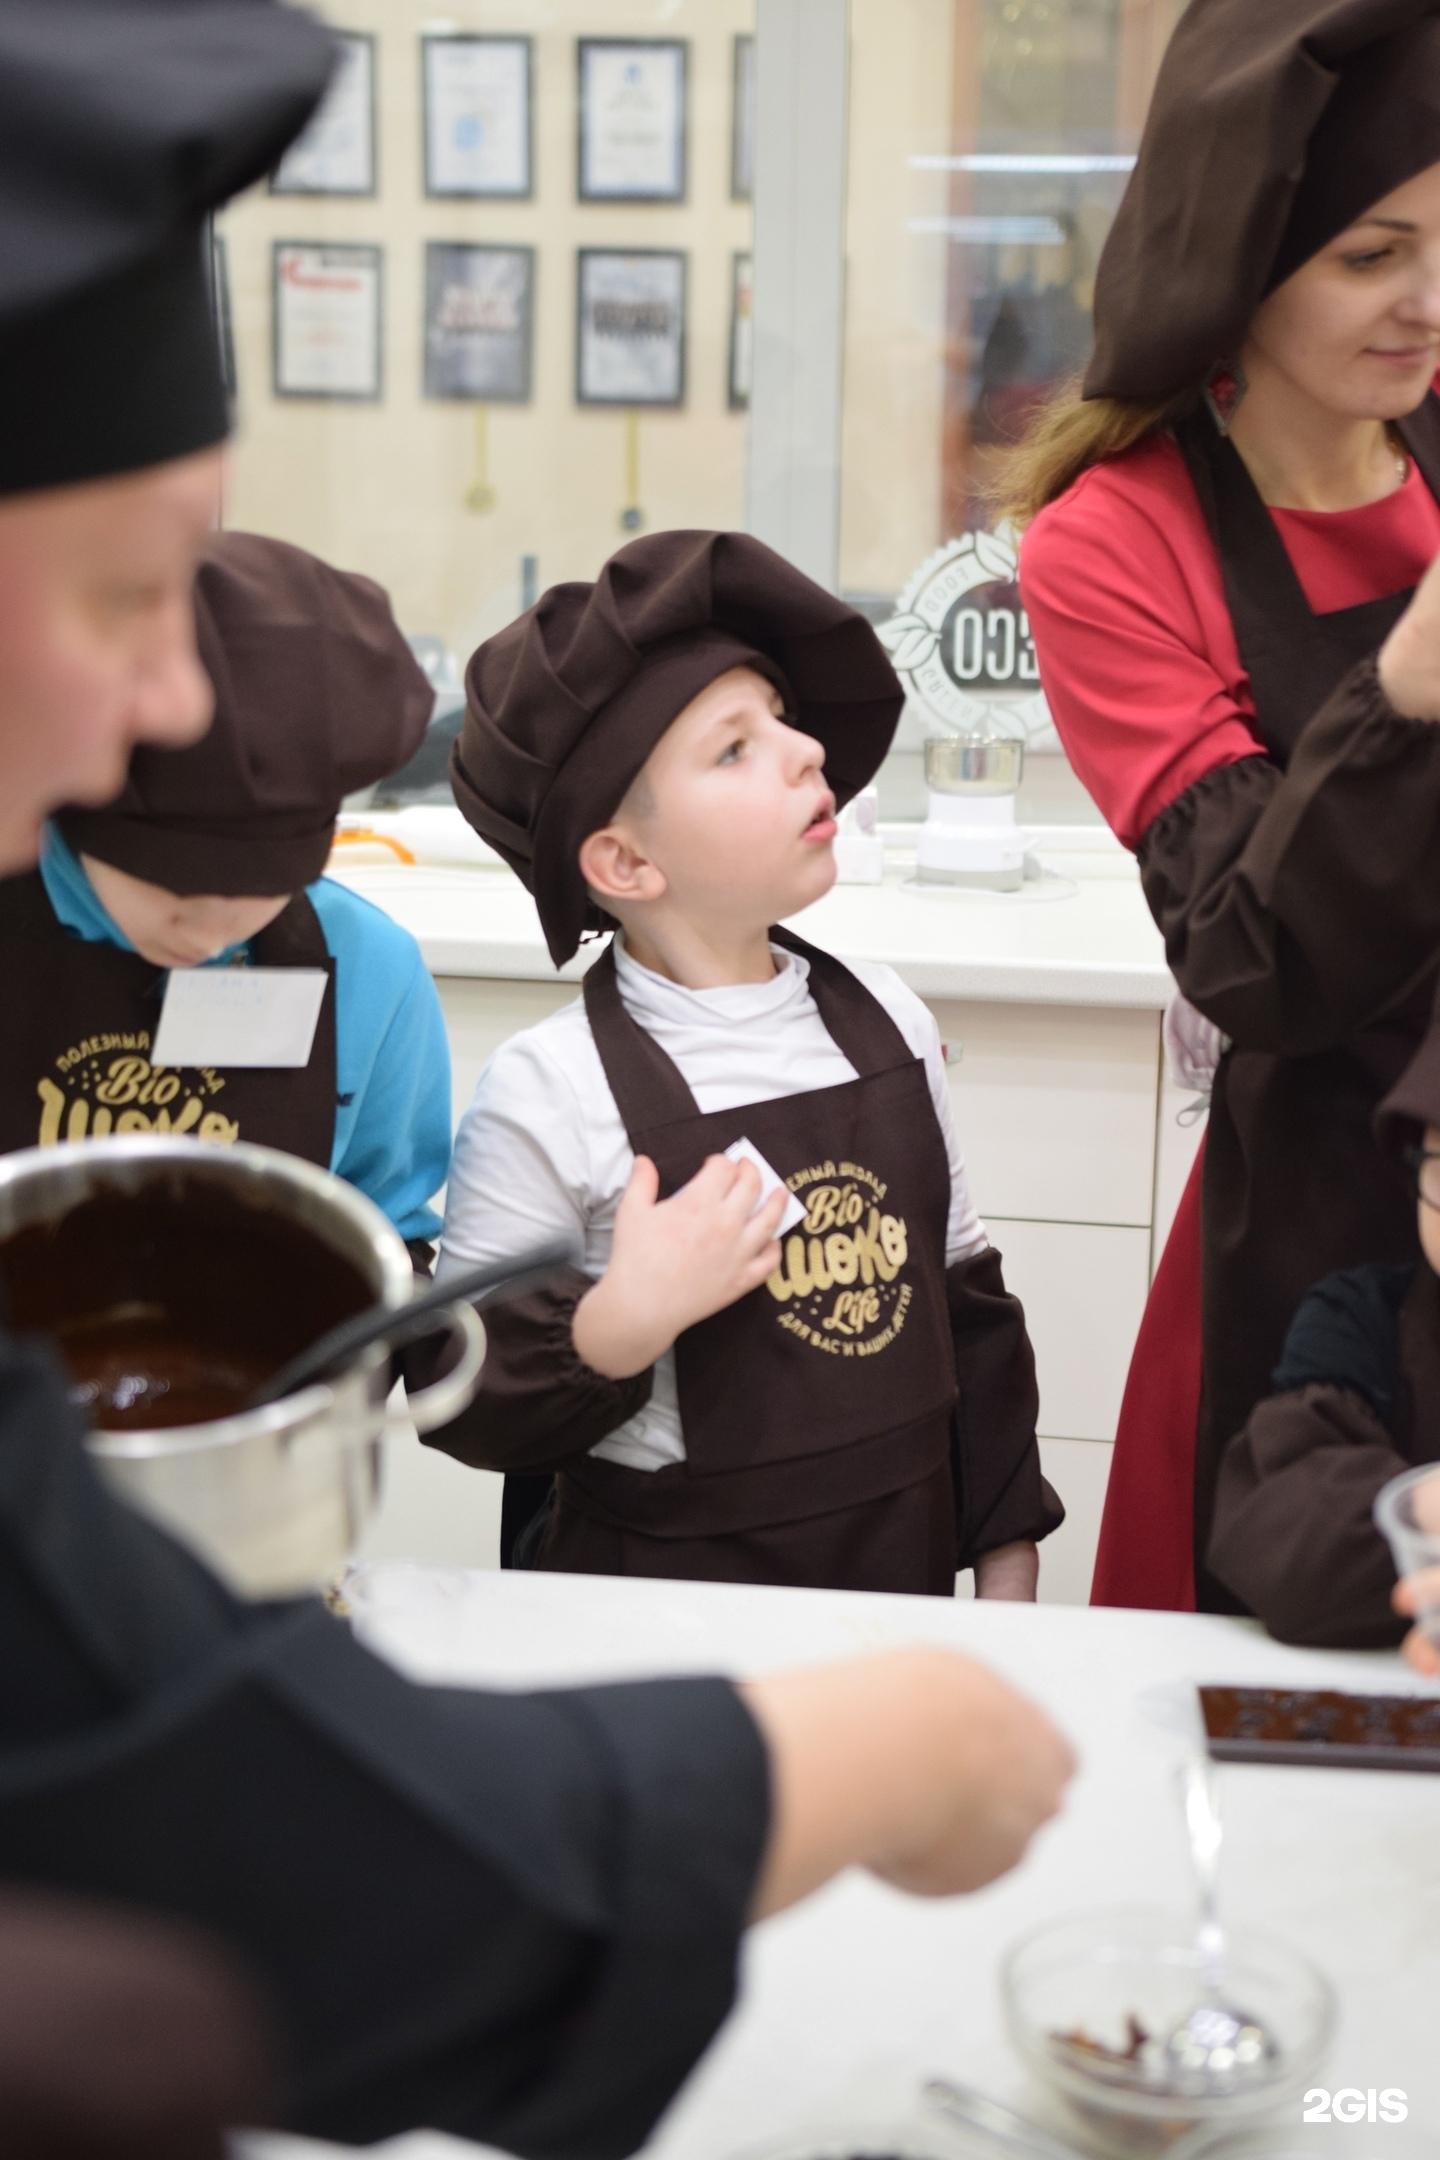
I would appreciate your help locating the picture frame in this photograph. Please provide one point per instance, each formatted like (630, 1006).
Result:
(478, 116)
(327, 320)
(479, 322)
(336, 154)
(630, 326)
(742, 329)
(633, 143)
(742, 118)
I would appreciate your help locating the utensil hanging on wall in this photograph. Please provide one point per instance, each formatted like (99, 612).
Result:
(632, 517)
(480, 495)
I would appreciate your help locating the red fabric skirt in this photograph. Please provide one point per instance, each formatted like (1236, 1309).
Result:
(1147, 1554)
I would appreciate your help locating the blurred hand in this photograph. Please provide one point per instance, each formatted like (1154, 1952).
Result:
(920, 1765)
(1416, 1594)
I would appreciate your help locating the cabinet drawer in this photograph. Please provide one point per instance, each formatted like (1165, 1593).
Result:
(1055, 1107)
(1083, 1289)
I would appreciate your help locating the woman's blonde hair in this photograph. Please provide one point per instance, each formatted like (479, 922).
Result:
(1068, 435)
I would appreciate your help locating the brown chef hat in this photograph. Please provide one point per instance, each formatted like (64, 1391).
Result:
(564, 706)
(1414, 1101)
(1275, 124)
(316, 694)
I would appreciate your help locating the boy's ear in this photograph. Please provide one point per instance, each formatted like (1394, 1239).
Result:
(614, 868)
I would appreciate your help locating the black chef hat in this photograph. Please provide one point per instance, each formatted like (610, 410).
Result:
(565, 706)
(123, 124)
(317, 693)
(1275, 124)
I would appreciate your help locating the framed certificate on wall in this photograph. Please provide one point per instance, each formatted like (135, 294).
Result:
(742, 327)
(478, 115)
(630, 326)
(633, 119)
(336, 153)
(327, 323)
(742, 120)
(479, 313)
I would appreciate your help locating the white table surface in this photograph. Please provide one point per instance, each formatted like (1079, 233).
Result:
(862, 1993)
(1084, 937)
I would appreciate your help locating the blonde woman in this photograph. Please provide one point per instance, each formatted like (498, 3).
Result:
(1231, 527)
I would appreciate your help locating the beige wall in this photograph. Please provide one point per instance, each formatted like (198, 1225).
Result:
(382, 487)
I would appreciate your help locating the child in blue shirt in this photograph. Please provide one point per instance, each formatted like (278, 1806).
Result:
(211, 857)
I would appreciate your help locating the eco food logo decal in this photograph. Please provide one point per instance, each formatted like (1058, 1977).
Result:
(107, 1084)
(961, 639)
(839, 1284)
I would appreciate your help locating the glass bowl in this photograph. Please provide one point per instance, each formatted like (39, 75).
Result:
(1094, 1973)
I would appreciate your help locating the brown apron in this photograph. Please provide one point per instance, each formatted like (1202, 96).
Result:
(82, 1019)
(1294, 1183)
(818, 1411)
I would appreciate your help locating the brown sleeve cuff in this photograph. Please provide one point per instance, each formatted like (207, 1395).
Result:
(1292, 1534)
(1000, 1495)
(1297, 905)
(539, 1405)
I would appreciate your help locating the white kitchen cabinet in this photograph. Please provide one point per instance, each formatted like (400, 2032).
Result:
(1055, 1107)
(433, 1509)
(1179, 1130)
(1083, 1288)
(1079, 1470)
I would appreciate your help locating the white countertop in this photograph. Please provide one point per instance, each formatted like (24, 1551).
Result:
(861, 1993)
(1081, 936)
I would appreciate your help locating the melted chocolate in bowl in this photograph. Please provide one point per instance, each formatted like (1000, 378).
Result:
(172, 1308)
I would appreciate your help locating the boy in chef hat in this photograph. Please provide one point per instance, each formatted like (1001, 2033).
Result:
(789, 1354)
(211, 856)
(1356, 1397)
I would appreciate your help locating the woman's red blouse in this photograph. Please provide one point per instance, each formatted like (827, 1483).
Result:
(1137, 651)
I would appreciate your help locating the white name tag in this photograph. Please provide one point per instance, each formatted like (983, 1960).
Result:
(239, 1016)
(743, 1151)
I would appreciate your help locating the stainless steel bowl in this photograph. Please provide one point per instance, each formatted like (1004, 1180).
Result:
(274, 1499)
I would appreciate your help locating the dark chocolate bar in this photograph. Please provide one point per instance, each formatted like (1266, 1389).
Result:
(1322, 1725)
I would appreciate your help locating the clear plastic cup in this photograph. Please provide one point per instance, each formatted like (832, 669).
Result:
(1407, 1514)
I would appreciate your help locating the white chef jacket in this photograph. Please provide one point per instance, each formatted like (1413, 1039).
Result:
(542, 1153)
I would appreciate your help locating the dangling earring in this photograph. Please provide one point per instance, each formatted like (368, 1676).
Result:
(1224, 394)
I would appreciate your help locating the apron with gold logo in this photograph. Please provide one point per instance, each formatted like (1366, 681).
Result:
(83, 1016)
(817, 1412)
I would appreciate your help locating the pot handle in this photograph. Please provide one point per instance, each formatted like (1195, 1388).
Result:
(455, 1390)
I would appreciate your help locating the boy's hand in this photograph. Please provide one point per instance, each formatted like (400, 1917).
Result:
(676, 1261)
(1420, 1593)
(1010, 1571)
